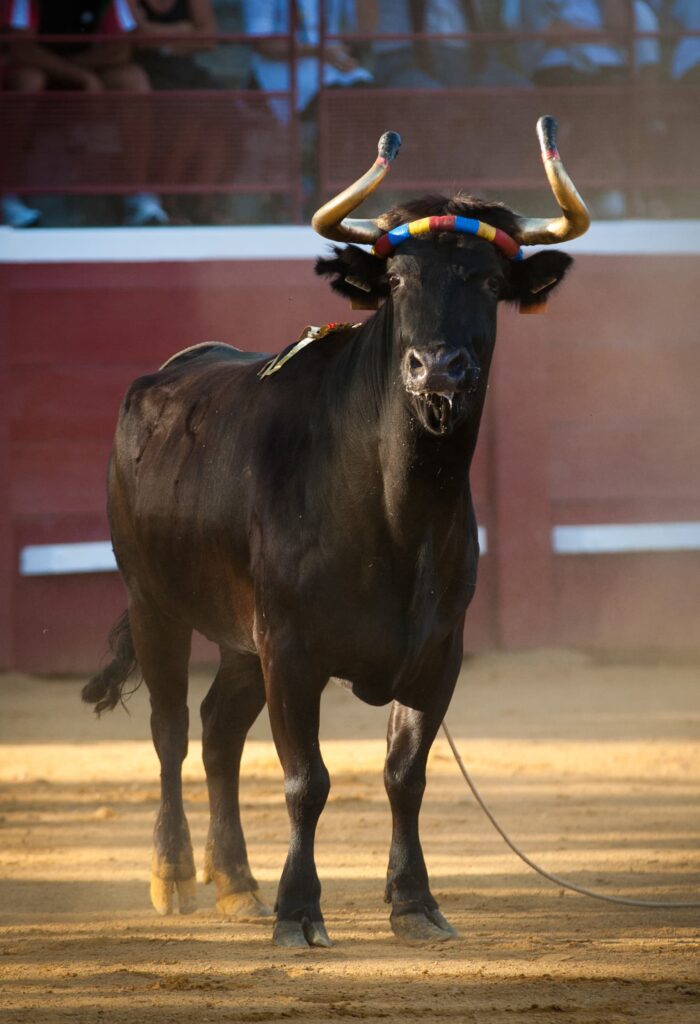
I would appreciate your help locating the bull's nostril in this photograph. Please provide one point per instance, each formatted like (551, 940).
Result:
(439, 369)
(455, 364)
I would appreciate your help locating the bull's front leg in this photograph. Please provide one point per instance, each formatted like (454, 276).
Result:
(294, 705)
(414, 910)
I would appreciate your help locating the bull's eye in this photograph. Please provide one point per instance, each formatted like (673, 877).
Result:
(394, 280)
(492, 286)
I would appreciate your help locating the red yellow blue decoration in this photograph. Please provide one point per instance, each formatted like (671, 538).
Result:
(385, 245)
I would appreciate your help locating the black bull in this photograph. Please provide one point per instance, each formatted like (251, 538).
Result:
(317, 523)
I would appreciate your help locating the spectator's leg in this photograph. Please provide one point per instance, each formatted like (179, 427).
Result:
(27, 79)
(141, 208)
(24, 79)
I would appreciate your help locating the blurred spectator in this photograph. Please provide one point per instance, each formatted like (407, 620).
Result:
(449, 63)
(452, 61)
(90, 67)
(169, 62)
(270, 59)
(603, 61)
(229, 62)
(685, 62)
(458, 62)
(397, 62)
(195, 149)
(591, 62)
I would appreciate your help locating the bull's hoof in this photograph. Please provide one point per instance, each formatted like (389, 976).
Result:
(425, 926)
(243, 906)
(300, 934)
(163, 895)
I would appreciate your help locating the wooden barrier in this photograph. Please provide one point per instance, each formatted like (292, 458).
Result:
(591, 419)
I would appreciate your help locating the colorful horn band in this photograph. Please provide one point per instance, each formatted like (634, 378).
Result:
(463, 225)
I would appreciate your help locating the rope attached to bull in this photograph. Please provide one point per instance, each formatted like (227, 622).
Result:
(653, 904)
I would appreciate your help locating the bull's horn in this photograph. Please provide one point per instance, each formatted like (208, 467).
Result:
(575, 219)
(330, 220)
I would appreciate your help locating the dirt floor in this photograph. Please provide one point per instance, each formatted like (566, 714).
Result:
(593, 767)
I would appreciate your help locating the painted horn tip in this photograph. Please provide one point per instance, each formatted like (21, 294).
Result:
(389, 146)
(547, 131)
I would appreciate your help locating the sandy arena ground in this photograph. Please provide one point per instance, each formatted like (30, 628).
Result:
(593, 767)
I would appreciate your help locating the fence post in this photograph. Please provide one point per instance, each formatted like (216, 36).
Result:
(522, 546)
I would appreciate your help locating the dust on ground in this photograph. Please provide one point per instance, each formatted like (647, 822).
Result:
(593, 767)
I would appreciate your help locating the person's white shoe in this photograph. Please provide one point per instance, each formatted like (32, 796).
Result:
(144, 209)
(16, 213)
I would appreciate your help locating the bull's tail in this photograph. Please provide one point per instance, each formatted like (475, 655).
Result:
(105, 690)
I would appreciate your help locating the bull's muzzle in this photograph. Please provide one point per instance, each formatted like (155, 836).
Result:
(440, 371)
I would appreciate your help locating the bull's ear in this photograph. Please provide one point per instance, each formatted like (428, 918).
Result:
(532, 279)
(356, 274)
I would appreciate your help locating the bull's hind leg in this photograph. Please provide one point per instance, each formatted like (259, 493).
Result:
(414, 910)
(234, 701)
(163, 650)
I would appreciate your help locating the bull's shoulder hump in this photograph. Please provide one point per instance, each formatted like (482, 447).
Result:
(216, 349)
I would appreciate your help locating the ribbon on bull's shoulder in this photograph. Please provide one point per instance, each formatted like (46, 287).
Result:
(308, 335)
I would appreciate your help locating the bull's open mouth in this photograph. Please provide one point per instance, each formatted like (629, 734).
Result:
(436, 411)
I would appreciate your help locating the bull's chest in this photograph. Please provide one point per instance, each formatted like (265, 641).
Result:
(372, 617)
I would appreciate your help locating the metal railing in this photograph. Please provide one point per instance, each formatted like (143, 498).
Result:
(634, 137)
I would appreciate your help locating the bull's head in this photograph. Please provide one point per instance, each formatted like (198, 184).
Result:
(445, 273)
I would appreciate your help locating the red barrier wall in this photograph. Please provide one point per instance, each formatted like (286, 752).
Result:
(591, 418)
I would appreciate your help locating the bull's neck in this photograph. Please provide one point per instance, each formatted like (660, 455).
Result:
(421, 475)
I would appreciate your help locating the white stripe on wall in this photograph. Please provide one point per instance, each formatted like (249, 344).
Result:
(95, 556)
(600, 539)
(614, 538)
(288, 242)
(62, 559)
(160, 245)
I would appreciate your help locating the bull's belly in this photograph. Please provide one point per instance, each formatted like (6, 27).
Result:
(377, 638)
(377, 695)
(384, 657)
(371, 642)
